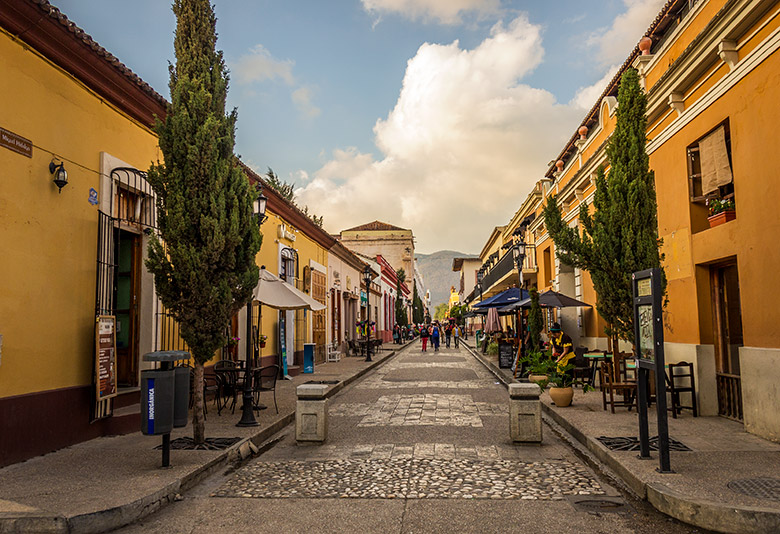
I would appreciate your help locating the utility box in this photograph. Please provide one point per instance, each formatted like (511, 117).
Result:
(308, 357)
(181, 396)
(157, 391)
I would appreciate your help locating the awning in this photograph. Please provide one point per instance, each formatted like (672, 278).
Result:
(276, 293)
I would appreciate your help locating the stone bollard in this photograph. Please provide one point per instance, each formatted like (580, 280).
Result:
(525, 413)
(311, 413)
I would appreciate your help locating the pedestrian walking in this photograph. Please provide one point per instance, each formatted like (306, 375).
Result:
(456, 334)
(396, 334)
(424, 334)
(435, 336)
(447, 334)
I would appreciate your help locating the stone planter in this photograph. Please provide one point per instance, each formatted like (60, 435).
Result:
(562, 396)
(722, 217)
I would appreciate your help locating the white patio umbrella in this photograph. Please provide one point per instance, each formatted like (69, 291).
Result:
(276, 293)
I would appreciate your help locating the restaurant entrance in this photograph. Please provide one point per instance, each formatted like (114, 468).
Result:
(127, 285)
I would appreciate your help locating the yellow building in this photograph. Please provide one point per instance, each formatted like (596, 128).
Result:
(73, 253)
(711, 70)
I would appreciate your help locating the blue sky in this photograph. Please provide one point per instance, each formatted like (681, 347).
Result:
(435, 115)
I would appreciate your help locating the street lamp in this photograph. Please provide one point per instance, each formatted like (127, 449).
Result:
(367, 277)
(247, 410)
(518, 252)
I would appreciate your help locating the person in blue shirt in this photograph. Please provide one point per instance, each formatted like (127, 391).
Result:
(435, 336)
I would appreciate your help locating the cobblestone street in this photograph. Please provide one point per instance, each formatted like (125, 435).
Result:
(420, 445)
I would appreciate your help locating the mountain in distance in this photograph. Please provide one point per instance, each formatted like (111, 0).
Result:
(436, 269)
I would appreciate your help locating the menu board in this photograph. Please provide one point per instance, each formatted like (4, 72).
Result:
(646, 341)
(506, 355)
(105, 357)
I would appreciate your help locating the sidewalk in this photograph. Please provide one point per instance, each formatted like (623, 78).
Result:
(102, 484)
(697, 492)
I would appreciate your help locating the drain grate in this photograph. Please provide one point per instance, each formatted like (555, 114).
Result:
(322, 382)
(599, 504)
(631, 443)
(763, 488)
(212, 444)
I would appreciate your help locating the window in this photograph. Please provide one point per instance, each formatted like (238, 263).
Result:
(710, 176)
(709, 166)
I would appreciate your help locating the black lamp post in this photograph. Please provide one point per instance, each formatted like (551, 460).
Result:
(518, 252)
(367, 277)
(247, 409)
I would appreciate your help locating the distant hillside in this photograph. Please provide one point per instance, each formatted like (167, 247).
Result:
(437, 273)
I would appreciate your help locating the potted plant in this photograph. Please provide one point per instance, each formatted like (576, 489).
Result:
(561, 380)
(263, 339)
(538, 364)
(721, 211)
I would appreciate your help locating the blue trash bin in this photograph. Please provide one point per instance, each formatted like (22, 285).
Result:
(308, 357)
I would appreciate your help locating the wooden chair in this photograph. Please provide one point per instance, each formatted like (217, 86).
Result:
(265, 380)
(614, 382)
(675, 388)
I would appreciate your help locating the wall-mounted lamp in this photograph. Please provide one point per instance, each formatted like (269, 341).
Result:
(60, 175)
(259, 205)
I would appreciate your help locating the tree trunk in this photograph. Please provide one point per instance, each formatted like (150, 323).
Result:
(198, 419)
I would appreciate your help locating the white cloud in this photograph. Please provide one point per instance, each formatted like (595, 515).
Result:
(302, 98)
(614, 44)
(461, 149)
(442, 11)
(586, 97)
(258, 65)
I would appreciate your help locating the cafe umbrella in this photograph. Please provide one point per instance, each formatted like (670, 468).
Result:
(548, 299)
(492, 324)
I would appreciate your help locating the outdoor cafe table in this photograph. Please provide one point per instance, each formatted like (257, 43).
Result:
(594, 358)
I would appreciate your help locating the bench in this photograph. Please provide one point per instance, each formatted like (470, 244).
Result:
(334, 354)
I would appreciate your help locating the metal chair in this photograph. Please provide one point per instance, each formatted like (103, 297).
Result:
(229, 383)
(264, 379)
(582, 371)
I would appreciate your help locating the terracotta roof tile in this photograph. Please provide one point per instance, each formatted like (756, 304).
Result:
(375, 226)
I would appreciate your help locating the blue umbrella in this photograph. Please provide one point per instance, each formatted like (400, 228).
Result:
(505, 298)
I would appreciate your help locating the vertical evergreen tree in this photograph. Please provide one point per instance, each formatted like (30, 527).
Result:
(621, 236)
(401, 316)
(204, 268)
(534, 321)
(418, 315)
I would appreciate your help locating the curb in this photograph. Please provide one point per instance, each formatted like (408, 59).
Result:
(701, 513)
(119, 516)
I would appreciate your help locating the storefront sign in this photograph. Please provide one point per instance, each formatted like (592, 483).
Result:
(363, 298)
(17, 143)
(105, 357)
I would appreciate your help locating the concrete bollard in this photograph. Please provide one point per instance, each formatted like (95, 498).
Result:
(311, 413)
(525, 413)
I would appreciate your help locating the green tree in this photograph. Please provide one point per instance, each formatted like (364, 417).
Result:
(401, 316)
(287, 191)
(621, 236)
(535, 320)
(204, 268)
(418, 313)
(441, 311)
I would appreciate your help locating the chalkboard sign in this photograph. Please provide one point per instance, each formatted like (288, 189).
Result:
(105, 357)
(506, 355)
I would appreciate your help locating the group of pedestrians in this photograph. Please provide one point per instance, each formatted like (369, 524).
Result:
(402, 333)
(435, 331)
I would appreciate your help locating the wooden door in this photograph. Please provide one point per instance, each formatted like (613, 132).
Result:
(318, 293)
(126, 300)
(727, 330)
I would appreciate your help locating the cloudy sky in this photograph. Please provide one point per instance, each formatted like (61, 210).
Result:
(434, 115)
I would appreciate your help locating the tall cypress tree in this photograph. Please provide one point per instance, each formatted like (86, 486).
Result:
(204, 268)
(535, 321)
(621, 236)
(400, 310)
(417, 306)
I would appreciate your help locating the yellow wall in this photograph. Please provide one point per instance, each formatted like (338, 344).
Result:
(751, 107)
(49, 240)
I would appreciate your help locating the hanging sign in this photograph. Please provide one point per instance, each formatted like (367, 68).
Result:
(105, 357)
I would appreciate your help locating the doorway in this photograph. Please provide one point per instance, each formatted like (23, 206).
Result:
(727, 330)
(126, 297)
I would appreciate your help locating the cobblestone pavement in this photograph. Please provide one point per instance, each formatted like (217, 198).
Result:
(413, 478)
(427, 409)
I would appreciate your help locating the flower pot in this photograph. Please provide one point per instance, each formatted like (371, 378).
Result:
(562, 396)
(262, 344)
(722, 217)
(536, 378)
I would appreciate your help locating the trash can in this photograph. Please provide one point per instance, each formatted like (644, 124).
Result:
(157, 386)
(181, 396)
(308, 357)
